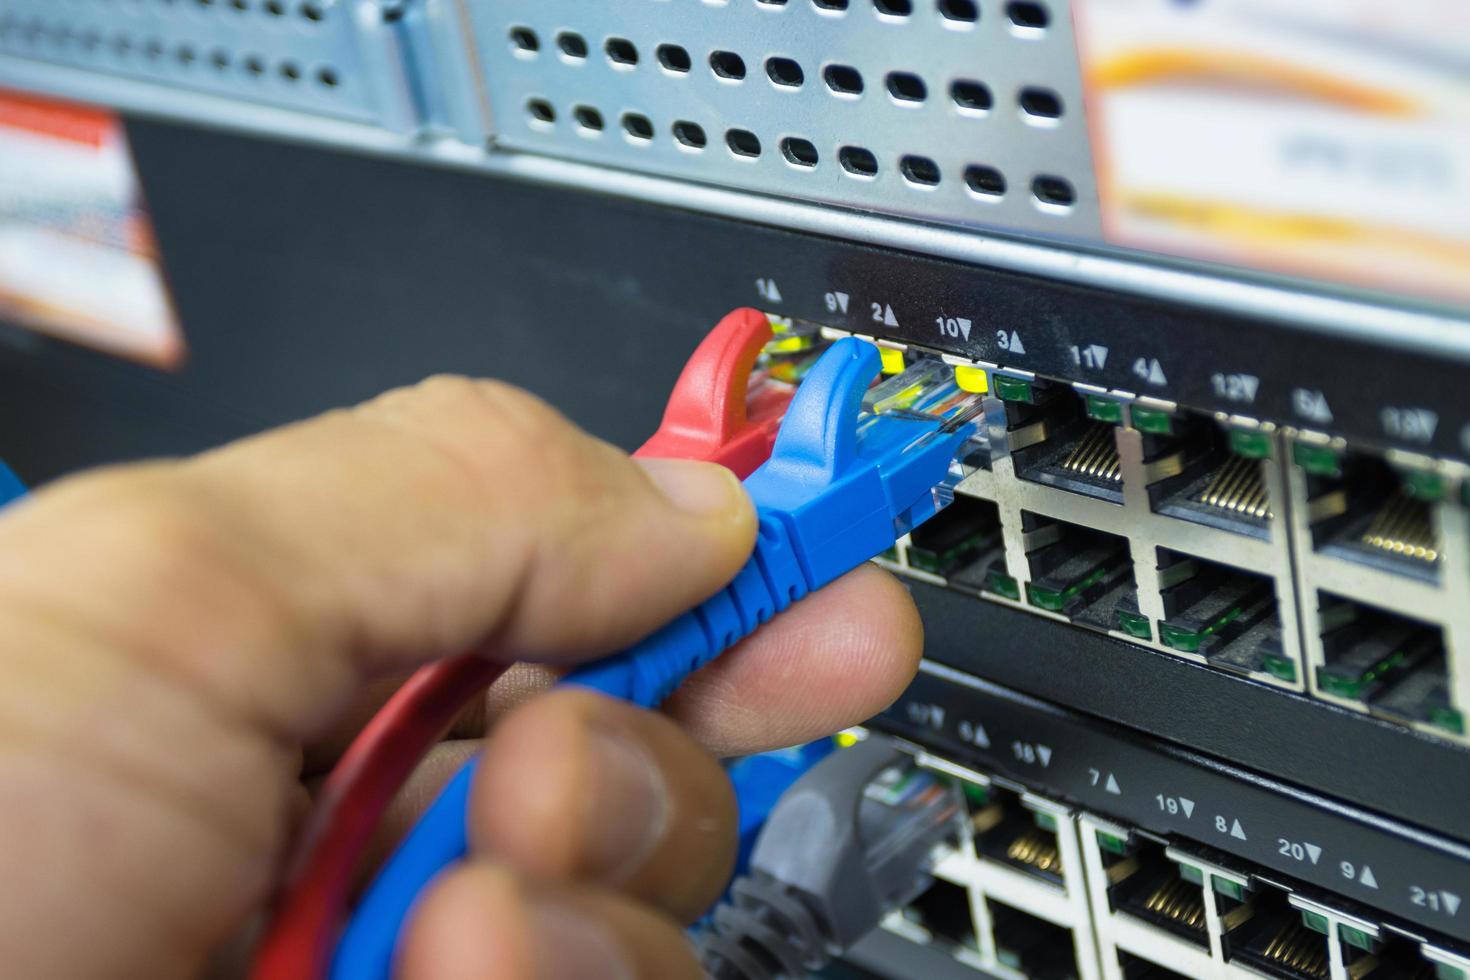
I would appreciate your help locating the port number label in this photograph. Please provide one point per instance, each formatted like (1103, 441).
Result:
(1298, 850)
(954, 326)
(1175, 805)
(1441, 901)
(1363, 876)
(1010, 340)
(1149, 369)
(1093, 357)
(884, 315)
(838, 302)
(1236, 387)
(1409, 424)
(1032, 753)
(1232, 827)
(768, 290)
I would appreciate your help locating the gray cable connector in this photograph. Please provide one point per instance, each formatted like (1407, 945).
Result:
(852, 840)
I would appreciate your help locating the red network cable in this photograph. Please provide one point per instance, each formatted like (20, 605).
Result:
(706, 419)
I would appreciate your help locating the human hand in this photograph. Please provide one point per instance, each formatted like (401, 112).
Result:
(185, 645)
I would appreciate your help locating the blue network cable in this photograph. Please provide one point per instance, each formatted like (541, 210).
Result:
(10, 486)
(841, 486)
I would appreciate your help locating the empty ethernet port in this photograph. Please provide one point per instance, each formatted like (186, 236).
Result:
(1201, 472)
(1222, 613)
(1362, 510)
(1137, 968)
(1274, 938)
(958, 541)
(1009, 832)
(1056, 439)
(943, 911)
(1144, 883)
(1390, 955)
(1393, 664)
(1040, 949)
(1078, 572)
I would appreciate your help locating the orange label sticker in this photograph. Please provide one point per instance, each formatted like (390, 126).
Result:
(78, 258)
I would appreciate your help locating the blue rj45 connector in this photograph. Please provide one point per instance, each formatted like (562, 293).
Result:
(840, 488)
(10, 486)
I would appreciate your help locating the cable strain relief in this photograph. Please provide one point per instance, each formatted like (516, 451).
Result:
(762, 933)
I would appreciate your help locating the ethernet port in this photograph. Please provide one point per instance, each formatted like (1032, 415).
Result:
(1392, 956)
(1273, 938)
(1056, 440)
(1010, 833)
(1391, 663)
(1138, 968)
(1225, 614)
(1360, 510)
(1214, 477)
(1041, 950)
(1081, 573)
(957, 539)
(943, 911)
(1145, 884)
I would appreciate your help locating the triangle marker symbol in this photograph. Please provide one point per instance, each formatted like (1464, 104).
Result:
(1045, 752)
(1367, 880)
(1451, 901)
(1113, 786)
(1313, 851)
(1016, 346)
(1187, 806)
(889, 320)
(1237, 831)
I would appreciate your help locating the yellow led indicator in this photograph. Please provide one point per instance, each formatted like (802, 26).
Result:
(892, 360)
(971, 379)
(845, 740)
(788, 345)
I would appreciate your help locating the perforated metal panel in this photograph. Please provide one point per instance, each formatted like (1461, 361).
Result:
(323, 56)
(962, 111)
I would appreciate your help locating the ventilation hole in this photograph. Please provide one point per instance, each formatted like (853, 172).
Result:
(830, 4)
(784, 71)
(971, 96)
(327, 77)
(275, 8)
(621, 51)
(727, 64)
(638, 126)
(894, 8)
(743, 143)
(962, 11)
(290, 71)
(674, 58)
(153, 49)
(1042, 103)
(255, 65)
(843, 79)
(690, 135)
(906, 87)
(220, 58)
(799, 152)
(313, 12)
(572, 45)
(240, 5)
(186, 55)
(919, 170)
(541, 111)
(524, 39)
(1054, 191)
(985, 181)
(588, 118)
(772, 3)
(1032, 16)
(858, 161)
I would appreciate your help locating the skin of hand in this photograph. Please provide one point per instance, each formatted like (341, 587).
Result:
(186, 645)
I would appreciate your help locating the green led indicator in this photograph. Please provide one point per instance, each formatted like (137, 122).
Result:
(1317, 460)
(1135, 625)
(1013, 389)
(1004, 586)
(1447, 718)
(1250, 443)
(1053, 600)
(1153, 421)
(1315, 921)
(1278, 666)
(1190, 873)
(1352, 686)
(1105, 409)
(1008, 957)
(1443, 971)
(1425, 485)
(977, 795)
(1045, 821)
(1355, 937)
(1188, 640)
(1228, 888)
(1111, 843)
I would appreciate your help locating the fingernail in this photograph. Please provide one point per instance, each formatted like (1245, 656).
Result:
(703, 489)
(631, 814)
(571, 946)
